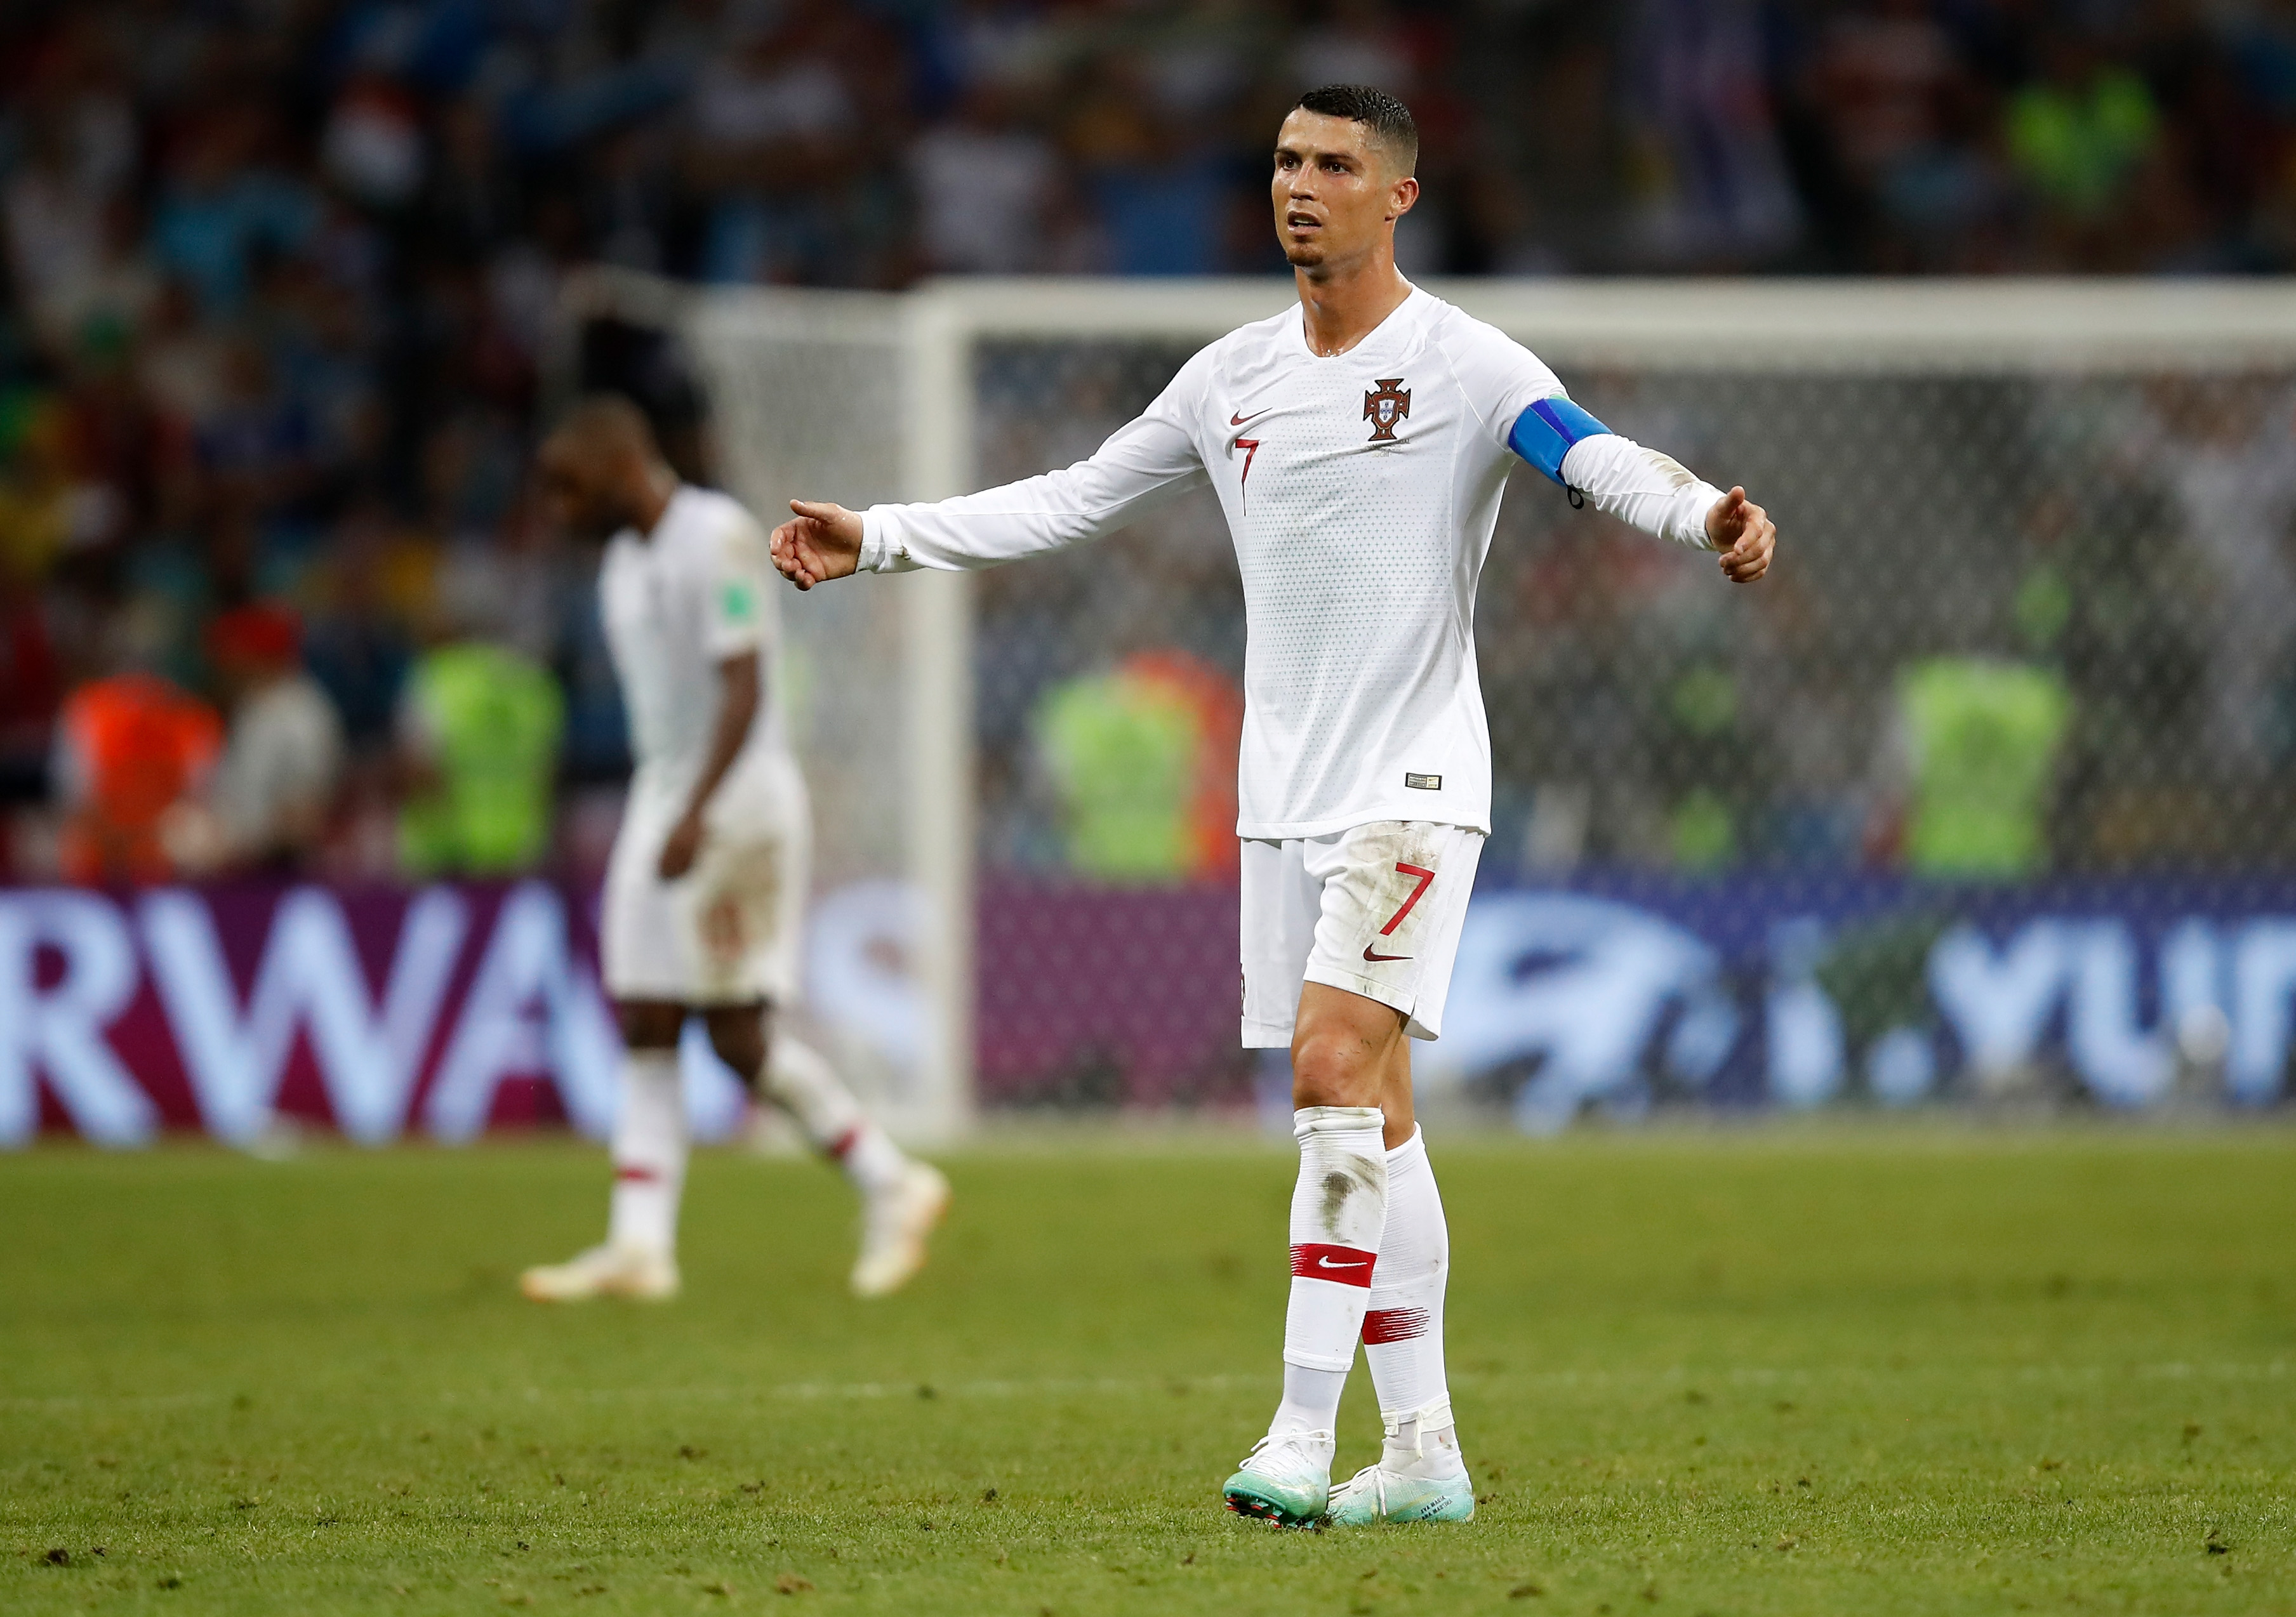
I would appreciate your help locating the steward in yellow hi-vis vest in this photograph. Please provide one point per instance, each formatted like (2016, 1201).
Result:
(486, 722)
(1984, 738)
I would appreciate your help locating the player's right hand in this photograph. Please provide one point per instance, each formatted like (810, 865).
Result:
(820, 543)
(1745, 533)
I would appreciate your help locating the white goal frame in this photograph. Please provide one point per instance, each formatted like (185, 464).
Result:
(2036, 326)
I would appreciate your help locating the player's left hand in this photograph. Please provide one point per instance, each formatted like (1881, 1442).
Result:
(1745, 533)
(679, 847)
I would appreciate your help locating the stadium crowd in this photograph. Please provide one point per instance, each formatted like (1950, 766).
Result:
(281, 280)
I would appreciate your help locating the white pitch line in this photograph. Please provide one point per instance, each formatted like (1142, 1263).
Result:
(858, 1391)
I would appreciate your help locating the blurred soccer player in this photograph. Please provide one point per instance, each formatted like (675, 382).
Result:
(1359, 444)
(706, 888)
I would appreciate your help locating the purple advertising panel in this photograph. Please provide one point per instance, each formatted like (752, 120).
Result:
(1093, 995)
(453, 1009)
(1618, 991)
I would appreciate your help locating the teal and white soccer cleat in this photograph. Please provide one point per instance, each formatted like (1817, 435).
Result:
(635, 1272)
(1286, 1478)
(1376, 1494)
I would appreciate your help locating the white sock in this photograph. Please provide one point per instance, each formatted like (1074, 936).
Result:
(1311, 1400)
(799, 1080)
(1339, 1207)
(649, 1153)
(1403, 1326)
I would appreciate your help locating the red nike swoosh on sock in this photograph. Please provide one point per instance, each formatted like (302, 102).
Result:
(1341, 1265)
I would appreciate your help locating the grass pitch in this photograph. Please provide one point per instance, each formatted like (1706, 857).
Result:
(1895, 1372)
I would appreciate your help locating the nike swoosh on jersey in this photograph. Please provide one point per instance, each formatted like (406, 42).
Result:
(1327, 1263)
(1238, 420)
(1370, 956)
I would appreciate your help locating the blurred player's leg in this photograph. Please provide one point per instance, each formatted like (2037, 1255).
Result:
(649, 1153)
(903, 1199)
(639, 1258)
(1421, 1476)
(646, 961)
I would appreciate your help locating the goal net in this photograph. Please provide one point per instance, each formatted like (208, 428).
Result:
(1984, 794)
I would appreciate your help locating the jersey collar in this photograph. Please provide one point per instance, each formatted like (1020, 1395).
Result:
(1385, 338)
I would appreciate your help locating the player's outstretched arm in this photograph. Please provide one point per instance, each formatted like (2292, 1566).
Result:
(1147, 461)
(819, 543)
(1654, 492)
(1745, 533)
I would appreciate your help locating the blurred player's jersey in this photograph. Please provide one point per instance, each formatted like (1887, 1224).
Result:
(675, 603)
(1361, 490)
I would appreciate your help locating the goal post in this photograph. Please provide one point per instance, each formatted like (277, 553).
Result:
(1970, 469)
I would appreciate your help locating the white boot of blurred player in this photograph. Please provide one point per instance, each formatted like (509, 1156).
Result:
(639, 1258)
(901, 1199)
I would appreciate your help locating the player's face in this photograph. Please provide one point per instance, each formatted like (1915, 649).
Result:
(580, 490)
(1335, 191)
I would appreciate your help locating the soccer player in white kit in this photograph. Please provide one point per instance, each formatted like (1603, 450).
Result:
(1359, 442)
(706, 885)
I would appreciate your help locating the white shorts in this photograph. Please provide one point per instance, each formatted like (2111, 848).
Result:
(727, 932)
(1376, 909)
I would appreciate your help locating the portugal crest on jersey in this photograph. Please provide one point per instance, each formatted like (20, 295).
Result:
(1384, 407)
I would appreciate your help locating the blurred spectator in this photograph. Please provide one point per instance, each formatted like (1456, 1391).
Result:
(2226, 451)
(1121, 753)
(773, 128)
(283, 757)
(134, 753)
(373, 143)
(985, 186)
(31, 689)
(358, 648)
(479, 732)
(1143, 760)
(1973, 761)
(1215, 702)
(1920, 183)
(224, 205)
(1715, 191)
(2078, 136)
(55, 219)
(1159, 186)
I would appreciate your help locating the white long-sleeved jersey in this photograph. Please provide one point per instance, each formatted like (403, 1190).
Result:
(1361, 491)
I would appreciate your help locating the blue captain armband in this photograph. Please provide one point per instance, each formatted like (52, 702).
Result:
(1544, 434)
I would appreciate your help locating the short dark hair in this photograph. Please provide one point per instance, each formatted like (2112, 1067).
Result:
(608, 418)
(1389, 120)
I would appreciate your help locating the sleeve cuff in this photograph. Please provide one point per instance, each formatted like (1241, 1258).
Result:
(872, 540)
(881, 550)
(1696, 501)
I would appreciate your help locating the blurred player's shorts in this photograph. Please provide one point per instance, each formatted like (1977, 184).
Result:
(727, 932)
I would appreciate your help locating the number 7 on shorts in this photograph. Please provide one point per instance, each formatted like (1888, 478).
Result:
(1425, 876)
